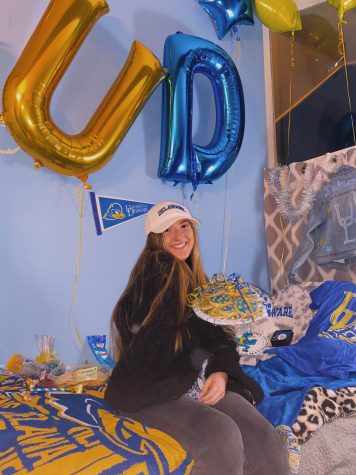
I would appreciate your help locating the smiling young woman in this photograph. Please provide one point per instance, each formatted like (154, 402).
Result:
(179, 239)
(163, 348)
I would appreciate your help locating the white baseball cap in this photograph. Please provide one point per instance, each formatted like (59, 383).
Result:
(164, 214)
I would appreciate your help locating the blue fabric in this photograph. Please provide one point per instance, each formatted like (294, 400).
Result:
(285, 388)
(329, 345)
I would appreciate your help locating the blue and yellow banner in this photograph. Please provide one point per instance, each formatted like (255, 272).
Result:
(109, 211)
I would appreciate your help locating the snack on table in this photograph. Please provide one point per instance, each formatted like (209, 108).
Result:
(8, 378)
(87, 375)
(26, 367)
(97, 344)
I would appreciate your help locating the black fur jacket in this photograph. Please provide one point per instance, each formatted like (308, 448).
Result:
(149, 370)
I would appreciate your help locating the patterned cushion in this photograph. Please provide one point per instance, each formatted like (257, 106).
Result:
(283, 237)
(290, 310)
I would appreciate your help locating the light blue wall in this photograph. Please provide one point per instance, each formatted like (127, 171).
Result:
(39, 227)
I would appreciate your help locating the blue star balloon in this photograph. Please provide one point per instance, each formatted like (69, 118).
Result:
(228, 14)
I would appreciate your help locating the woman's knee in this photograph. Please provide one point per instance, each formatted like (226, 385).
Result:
(222, 431)
(212, 438)
(265, 451)
(223, 446)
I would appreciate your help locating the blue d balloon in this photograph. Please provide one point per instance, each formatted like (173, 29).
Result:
(182, 161)
(228, 14)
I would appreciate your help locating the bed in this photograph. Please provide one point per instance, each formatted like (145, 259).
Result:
(308, 405)
(67, 434)
(321, 443)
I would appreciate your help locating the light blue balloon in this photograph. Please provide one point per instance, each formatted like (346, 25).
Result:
(228, 14)
(181, 160)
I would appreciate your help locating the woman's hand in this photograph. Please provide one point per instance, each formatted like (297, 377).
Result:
(214, 388)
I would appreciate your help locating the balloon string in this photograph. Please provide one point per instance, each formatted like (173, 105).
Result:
(235, 39)
(7, 151)
(343, 57)
(238, 51)
(197, 204)
(80, 190)
(224, 247)
(292, 65)
(227, 238)
(229, 174)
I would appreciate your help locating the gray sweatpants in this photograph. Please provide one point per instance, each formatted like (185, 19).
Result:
(230, 438)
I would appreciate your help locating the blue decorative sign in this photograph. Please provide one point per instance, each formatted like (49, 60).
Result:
(109, 212)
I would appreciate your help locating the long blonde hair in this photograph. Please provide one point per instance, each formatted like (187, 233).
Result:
(190, 275)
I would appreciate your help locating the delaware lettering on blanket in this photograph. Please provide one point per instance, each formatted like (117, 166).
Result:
(71, 434)
(328, 347)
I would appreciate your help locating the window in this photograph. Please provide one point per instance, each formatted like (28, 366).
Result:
(319, 119)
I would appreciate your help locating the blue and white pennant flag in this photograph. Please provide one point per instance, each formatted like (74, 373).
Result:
(109, 212)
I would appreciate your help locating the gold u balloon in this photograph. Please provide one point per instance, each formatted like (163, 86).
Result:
(29, 88)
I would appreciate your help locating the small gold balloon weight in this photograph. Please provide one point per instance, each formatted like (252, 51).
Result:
(84, 180)
(37, 165)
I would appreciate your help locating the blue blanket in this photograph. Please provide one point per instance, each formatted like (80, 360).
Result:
(285, 388)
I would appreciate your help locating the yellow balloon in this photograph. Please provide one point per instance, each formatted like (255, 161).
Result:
(342, 6)
(29, 88)
(279, 15)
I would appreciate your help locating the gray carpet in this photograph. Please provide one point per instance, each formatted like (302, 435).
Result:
(332, 449)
